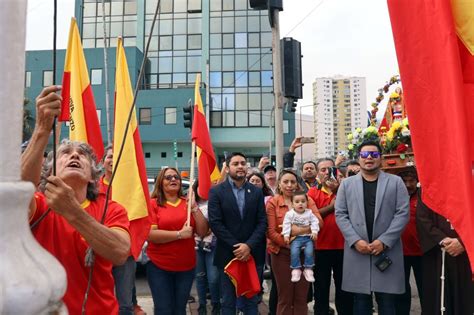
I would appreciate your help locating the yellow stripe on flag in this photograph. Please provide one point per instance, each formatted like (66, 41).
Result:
(127, 186)
(463, 14)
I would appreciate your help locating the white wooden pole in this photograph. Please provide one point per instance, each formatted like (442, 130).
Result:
(31, 280)
(443, 259)
(191, 180)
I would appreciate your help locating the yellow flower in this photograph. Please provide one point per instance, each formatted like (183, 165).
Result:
(350, 147)
(371, 129)
(396, 125)
(349, 136)
(405, 122)
(389, 135)
(359, 130)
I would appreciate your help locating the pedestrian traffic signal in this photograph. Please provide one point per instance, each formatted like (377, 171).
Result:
(292, 80)
(290, 106)
(188, 112)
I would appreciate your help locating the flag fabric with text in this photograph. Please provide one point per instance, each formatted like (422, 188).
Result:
(78, 105)
(208, 171)
(434, 40)
(129, 187)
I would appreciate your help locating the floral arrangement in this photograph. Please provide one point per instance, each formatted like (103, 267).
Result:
(375, 105)
(397, 138)
(358, 136)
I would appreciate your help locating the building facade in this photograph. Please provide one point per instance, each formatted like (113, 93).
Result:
(225, 41)
(339, 108)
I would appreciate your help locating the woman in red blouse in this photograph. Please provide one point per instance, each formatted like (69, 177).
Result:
(170, 271)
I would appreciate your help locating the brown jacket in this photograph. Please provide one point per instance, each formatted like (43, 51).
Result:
(276, 210)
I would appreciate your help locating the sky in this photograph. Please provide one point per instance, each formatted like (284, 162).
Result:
(338, 37)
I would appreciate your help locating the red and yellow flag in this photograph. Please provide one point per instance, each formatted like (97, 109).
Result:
(208, 171)
(130, 187)
(78, 105)
(434, 40)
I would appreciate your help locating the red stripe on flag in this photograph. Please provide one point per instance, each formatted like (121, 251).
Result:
(94, 134)
(66, 86)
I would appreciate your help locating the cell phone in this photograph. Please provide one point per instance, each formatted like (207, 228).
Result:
(383, 262)
(226, 154)
(307, 140)
(333, 173)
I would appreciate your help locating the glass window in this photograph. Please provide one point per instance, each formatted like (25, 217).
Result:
(96, 76)
(228, 101)
(228, 24)
(179, 64)
(216, 5)
(228, 79)
(179, 78)
(194, 64)
(88, 43)
(241, 119)
(266, 39)
(216, 119)
(240, 40)
(179, 26)
(215, 41)
(180, 6)
(241, 78)
(240, 62)
(267, 101)
(265, 24)
(117, 8)
(241, 24)
(164, 79)
(240, 4)
(215, 79)
(192, 78)
(194, 26)
(254, 78)
(267, 78)
(131, 8)
(194, 42)
(286, 126)
(267, 61)
(130, 28)
(254, 101)
(170, 115)
(228, 63)
(215, 63)
(115, 29)
(166, 27)
(227, 5)
(88, 30)
(254, 118)
(166, 43)
(228, 119)
(145, 116)
(194, 5)
(89, 9)
(216, 102)
(241, 101)
(215, 25)
(254, 62)
(179, 42)
(227, 40)
(107, 9)
(164, 65)
(253, 24)
(47, 78)
(266, 117)
(254, 40)
(166, 6)
(27, 78)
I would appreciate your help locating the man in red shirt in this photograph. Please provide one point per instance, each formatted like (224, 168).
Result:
(412, 254)
(73, 223)
(330, 245)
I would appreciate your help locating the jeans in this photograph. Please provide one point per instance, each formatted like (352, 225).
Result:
(124, 276)
(207, 275)
(295, 248)
(169, 289)
(385, 302)
(228, 307)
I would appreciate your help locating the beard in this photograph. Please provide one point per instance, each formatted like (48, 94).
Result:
(236, 177)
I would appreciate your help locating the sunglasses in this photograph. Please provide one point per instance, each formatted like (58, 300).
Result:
(170, 177)
(373, 154)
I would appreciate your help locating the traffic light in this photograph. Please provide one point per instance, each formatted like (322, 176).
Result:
(271, 5)
(258, 4)
(188, 112)
(292, 85)
(290, 106)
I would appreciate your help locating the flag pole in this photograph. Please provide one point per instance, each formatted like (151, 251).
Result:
(191, 180)
(443, 258)
(106, 77)
(55, 133)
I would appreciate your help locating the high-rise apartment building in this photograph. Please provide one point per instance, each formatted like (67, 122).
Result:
(225, 41)
(339, 108)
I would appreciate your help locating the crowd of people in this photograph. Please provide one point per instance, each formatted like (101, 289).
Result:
(348, 220)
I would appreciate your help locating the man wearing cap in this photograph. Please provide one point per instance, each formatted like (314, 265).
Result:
(270, 174)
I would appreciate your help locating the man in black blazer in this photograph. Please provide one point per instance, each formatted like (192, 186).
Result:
(238, 219)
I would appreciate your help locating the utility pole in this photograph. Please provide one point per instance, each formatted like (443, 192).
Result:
(278, 99)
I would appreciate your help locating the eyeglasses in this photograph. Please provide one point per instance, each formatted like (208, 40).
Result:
(170, 177)
(373, 154)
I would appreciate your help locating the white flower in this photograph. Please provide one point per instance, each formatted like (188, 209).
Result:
(354, 141)
(406, 132)
(356, 134)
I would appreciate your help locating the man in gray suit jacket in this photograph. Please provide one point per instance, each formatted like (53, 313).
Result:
(372, 209)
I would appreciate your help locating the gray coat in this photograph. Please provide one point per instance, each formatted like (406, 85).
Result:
(391, 215)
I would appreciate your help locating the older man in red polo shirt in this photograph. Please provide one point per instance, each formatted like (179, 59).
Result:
(67, 213)
(330, 245)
